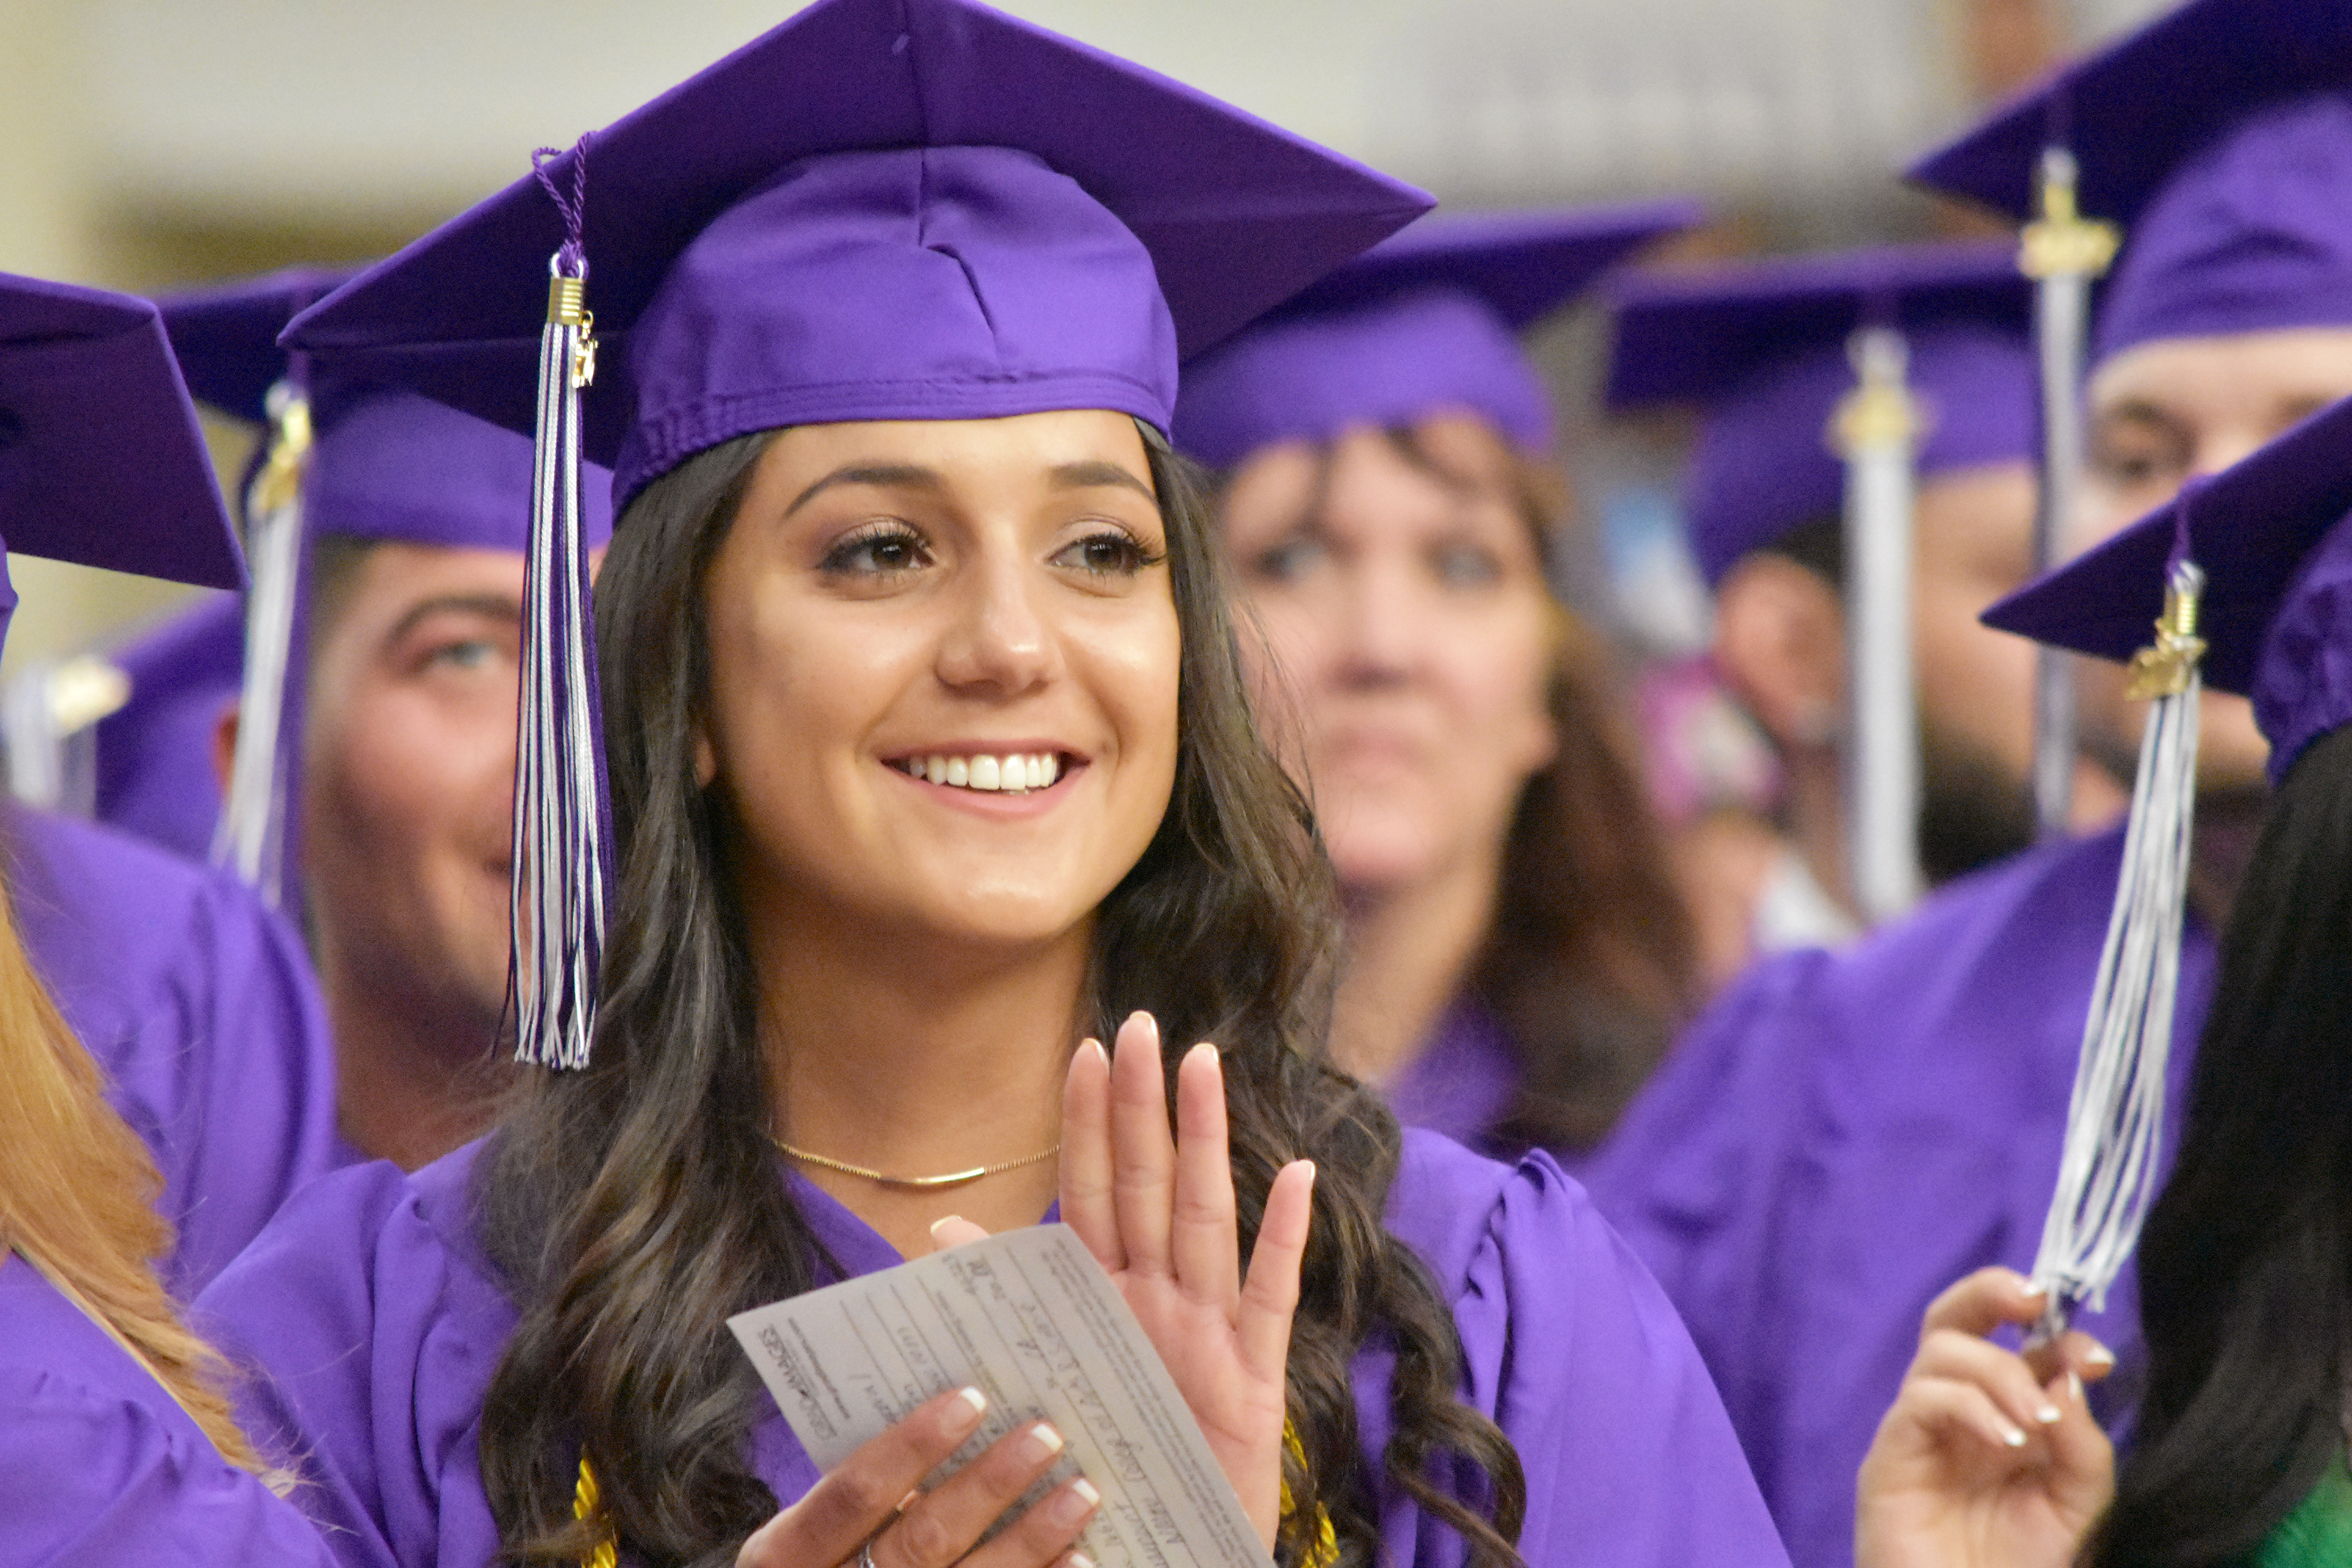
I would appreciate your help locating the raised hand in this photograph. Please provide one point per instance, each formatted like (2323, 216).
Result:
(868, 1510)
(1157, 1213)
(1985, 1460)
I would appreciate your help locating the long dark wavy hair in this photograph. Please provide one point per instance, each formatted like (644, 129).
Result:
(2246, 1266)
(636, 1205)
(1590, 959)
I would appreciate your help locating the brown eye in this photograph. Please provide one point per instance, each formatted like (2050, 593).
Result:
(1111, 553)
(878, 552)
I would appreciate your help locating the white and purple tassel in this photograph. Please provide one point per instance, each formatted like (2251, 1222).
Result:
(2063, 253)
(250, 839)
(2107, 1174)
(561, 884)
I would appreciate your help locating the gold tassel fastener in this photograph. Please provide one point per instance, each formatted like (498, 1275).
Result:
(2162, 669)
(290, 450)
(2061, 242)
(567, 305)
(1879, 414)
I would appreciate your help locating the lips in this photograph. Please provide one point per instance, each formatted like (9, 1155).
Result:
(988, 772)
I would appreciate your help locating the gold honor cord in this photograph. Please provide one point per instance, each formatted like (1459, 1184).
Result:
(587, 1504)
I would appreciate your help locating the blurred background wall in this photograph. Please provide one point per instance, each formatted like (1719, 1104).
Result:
(146, 144)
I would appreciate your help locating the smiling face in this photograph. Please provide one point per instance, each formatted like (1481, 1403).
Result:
(1411, 633)
(905, 618)
(2163, 412)
(408, 776)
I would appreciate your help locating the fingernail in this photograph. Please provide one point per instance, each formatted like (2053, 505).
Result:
(2074, 1387)
(2100, 1355)
(963, 1412)
(1043, 1441)
(1078, 1500)
(1197, 1050)
(943, 1219)
(2031, 1292)
(2049, 1413)
(2012, 1436)
(913, 1496)
(1080, 1560)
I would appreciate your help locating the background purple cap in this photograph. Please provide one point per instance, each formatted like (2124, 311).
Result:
(101, 461)
(2220, 137)
(2276, 617)
(385, 463)
(154, 761)
(881, 209)
(1762, 348)
(1425, 321)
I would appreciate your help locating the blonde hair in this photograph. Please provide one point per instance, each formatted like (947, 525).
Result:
(77, 1191)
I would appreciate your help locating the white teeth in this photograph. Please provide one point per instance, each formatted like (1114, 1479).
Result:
(1013, 773)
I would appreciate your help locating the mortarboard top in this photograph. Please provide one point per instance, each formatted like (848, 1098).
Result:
(1762, 347)
(101, 461)
(2270, 605)
(385, 463)
(1425, 321)
(2220, 137)
(880, 209)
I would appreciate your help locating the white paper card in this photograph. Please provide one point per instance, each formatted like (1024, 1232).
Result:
(1031, 1320)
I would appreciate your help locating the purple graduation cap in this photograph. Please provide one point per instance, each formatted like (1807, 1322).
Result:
(882, 209)
(153, 763)
(101, 461)
(2263, 611)
(1426, 321)
(339, 458)
(2220, 137)
(1828, 384)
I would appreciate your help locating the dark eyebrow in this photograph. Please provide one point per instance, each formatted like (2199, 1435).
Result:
(1093, 475)
(489, 606)
(906, 475)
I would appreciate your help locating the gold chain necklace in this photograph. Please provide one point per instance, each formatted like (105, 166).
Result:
(952, 1178)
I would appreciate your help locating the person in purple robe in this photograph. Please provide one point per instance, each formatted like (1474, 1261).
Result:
(1518, 954)
(2238, 1454)
(195, 1002)
(389, 802)
(1842, 1136)
(1760, 350)
(931, 764)
(116, 1441)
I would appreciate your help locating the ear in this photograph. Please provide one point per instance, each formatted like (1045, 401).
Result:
(706, 759)
(1780, 645)
(224, 730)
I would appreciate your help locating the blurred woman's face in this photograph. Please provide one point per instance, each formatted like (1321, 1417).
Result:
(1408, 641)
(943, 675)
(2164, 412)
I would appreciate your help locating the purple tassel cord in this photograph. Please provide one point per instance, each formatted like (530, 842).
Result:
(563, 819)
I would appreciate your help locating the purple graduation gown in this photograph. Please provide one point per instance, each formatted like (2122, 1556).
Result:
(99, 1465)
(1842, 1136)
(200, 1006)
(375, 1325)
(1461, 1080)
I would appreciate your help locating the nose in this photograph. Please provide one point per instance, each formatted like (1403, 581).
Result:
(1380, 624)
(998, 644)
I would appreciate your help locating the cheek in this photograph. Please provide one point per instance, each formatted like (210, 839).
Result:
(1495, 670)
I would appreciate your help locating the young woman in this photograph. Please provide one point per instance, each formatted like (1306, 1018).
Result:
(116, 1445)
(931, 768)
(1518, 955)
(2238, 1452)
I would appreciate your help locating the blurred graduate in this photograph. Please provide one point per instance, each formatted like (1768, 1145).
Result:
(1517, 951)
(116, 1441)
(365, 781)
(1841, 1137)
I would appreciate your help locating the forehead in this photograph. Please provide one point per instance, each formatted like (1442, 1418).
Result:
(1029, 446)
(2189, 378)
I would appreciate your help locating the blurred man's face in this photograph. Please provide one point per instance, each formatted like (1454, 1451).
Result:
(408, 776)
(2164, 412)
(1974, 543)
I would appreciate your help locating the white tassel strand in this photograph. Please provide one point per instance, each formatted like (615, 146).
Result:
(2107, 1175)
(2063, 251)
(250, 838)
